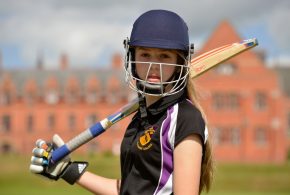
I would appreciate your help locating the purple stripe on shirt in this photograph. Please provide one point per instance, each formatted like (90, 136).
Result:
(189, 101)
(167, 153)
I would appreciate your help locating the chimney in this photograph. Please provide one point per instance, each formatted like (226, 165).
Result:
(39, 62)
(261, 53)
(117, 61)
(1, 61)
(63, 62)
(1, 64)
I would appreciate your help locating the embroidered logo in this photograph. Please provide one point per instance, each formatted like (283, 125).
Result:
(144, 142)
(81, 167)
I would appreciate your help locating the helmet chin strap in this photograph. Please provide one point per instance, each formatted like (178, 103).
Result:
(150, 88)
(143, 112)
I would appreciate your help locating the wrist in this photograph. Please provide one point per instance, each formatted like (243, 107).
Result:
(74, 171)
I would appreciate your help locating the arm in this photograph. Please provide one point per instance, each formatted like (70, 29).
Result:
(187, 166)
(69, 171)
(99, 185)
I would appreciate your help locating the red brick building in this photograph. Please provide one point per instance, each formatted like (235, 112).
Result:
(38, 103)
(284, 78)
(244, 104)
(242, 99)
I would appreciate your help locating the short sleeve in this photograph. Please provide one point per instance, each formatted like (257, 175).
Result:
(189, 121)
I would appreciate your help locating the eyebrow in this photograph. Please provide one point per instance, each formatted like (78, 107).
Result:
(160, 50)
(143, 49)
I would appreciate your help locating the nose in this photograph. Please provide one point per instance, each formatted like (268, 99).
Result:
(155, 67)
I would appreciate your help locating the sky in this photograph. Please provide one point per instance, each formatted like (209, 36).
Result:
(89, 32)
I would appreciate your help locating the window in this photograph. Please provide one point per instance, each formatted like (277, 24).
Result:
(226, 101)
(233, 101)
(235, 136)
(260, 101)
(113, 90)
(216, 135)
(30, 98)
(72, 122)
(288, 126)
(51, 122)
(30, 123)
(72, 96)
(226, 135)
(91, 120)
(113, 97)
(52, 97)
(92, 97)
(5, 98)
(226, 69)
(218, 101)
(6, 123)
(260, 136)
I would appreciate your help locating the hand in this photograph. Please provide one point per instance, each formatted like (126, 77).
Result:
(40, 158)
(69, 171)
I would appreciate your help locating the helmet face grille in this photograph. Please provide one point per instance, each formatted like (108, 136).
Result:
(144, 86)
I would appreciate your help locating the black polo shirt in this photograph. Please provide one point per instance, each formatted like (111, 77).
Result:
(147, 154)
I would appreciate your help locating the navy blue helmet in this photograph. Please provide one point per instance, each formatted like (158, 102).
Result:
(158, 29)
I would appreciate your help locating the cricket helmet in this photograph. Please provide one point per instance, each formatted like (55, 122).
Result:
(158, 29)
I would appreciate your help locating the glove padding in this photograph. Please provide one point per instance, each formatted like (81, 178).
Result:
(65, 169)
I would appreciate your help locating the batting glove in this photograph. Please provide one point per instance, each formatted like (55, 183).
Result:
(65, 169)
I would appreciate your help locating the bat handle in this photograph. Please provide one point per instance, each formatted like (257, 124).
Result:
(92, 132)
(59, 153)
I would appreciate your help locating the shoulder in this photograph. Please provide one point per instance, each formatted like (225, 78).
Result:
(189, 122)
(188, 111)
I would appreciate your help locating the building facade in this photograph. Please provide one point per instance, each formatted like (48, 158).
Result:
(284, 78)
(244, 104)
(242, 99)
(38, 103)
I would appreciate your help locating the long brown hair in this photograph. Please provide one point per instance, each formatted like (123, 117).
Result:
(207, 166)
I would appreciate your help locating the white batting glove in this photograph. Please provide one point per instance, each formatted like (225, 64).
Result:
(65, 169)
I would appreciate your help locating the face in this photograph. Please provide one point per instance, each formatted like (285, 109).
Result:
(157, 73)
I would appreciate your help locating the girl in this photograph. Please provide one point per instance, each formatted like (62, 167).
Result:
(165, 149)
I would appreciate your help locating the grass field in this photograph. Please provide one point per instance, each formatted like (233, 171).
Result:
(230, 179)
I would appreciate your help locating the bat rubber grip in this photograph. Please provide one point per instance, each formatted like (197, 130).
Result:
(76, 142)
(59, 154)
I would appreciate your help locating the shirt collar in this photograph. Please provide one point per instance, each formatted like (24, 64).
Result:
(163, 103)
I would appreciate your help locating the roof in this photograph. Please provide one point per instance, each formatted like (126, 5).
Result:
(20, 77)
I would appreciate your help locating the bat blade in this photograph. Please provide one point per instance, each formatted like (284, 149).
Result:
(210, 59)
(198, 65)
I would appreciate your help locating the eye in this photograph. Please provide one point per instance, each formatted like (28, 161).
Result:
(145, 55)
(164, 56)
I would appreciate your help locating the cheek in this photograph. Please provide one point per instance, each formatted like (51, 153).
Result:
(141, 70)
(168, 71)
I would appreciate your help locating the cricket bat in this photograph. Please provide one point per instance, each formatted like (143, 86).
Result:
(198, 66)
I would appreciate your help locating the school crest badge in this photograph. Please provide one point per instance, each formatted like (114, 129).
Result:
(144, 142)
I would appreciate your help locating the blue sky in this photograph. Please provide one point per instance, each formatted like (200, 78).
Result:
(266, 41)
(90, 31)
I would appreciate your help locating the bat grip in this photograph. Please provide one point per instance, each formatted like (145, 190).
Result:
(76, 142)
(92, 132)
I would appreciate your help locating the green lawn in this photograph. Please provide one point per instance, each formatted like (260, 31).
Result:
(237, 179)
(230, 179)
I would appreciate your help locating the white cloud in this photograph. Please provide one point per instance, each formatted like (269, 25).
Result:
(279, 27)
(82, 35)
(88, 31)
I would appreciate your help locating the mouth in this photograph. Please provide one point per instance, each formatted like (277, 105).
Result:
(153, 78)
